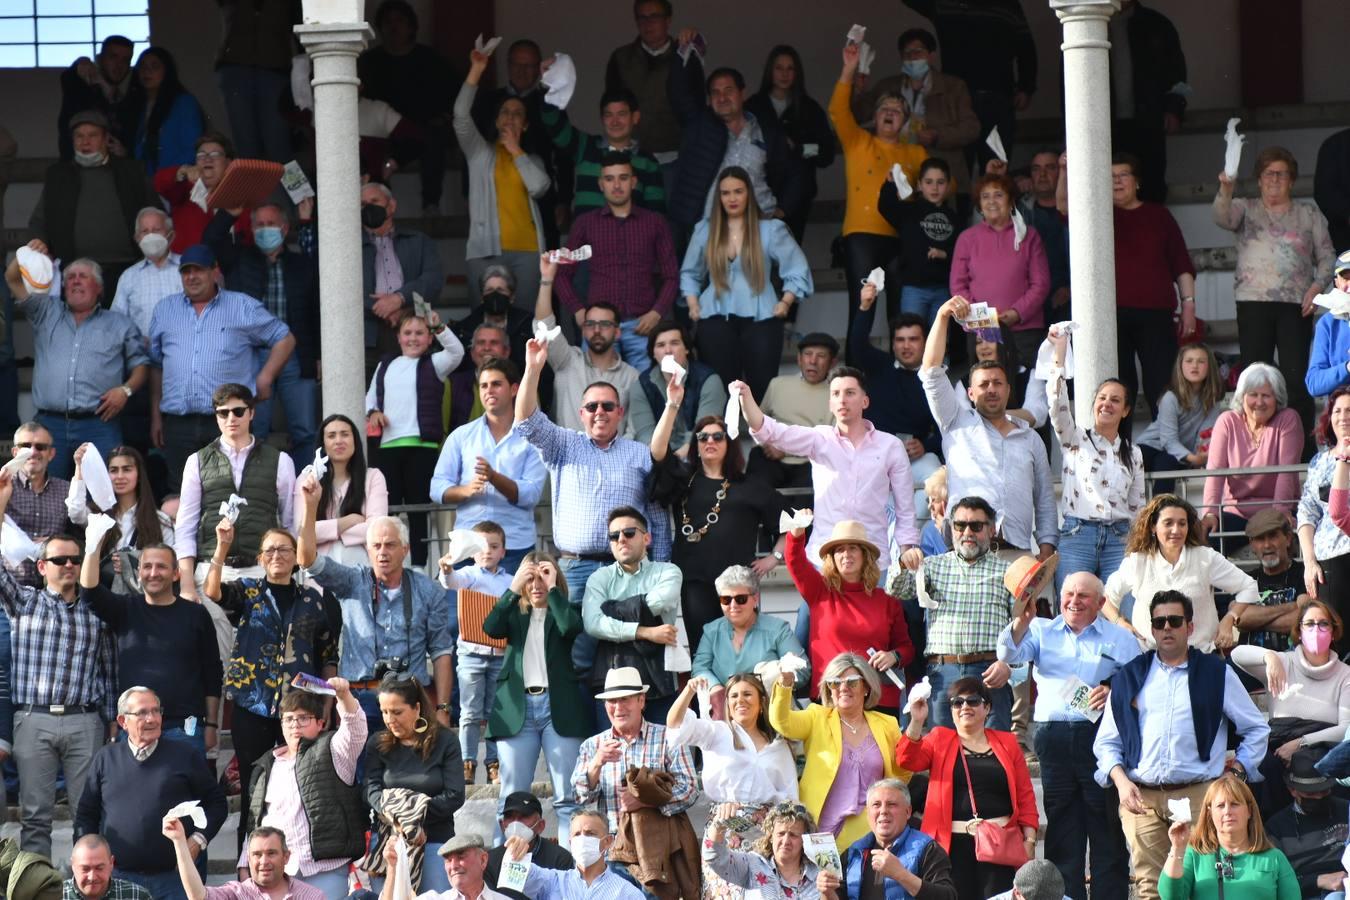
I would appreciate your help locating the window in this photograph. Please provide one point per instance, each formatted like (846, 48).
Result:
(55, 33)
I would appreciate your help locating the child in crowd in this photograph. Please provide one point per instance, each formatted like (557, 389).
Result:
(927, 227)
(1179, 437)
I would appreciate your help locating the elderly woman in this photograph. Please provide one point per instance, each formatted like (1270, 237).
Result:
(414, 777)
(1165, 552)
(321, 813)
(953, 757)
(1325, 547)
(777, 865)
(1259, 429)
(1228, 857)
(741, 639)
(1284, 260)
(849, 743)
(175, 184)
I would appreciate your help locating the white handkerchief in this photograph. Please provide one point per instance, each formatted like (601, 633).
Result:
(677, 654)
(544, 334)
(561, 81)
(1019, 230)
(856, 34)
(925, 599)
(877, 277)
(670, 367)
(230, 509)
(800, 518)
(403, 889)
(791, 662)
(96, 478)
(199, 194)
(13, 466)
(301, 89)
(1045, 355)
(733, 416)
(486, 47)
(464, 544)
(921, 691)
(565, 257)
(15, 544)
(1232, 154)
(421, 308)
(996, 144)
(316, 468)
(866, 56)
(810, 151)
(902, 185)
(1289, 691)
(96, 529)
(1336, 302)
(36, 269)
(192, 809)
(1179, 810)
(891, 673)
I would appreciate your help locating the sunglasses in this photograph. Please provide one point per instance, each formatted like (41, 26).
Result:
(968, 525)
(630, 532)
(237, 411)
(715, 437)
(606, 405)
(847, 681)
(63, 560)
(35, 447)
(1161, 622)
(958, 702)
(738, 599)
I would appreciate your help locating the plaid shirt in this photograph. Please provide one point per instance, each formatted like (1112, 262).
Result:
(648, 750)
(634, 265)
(972, 603)
(63, 654)
(274, 297)
(117, 890)
(40, 514)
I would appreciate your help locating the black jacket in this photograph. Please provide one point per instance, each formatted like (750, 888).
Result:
(1331, 187)
(335, 810)
(1157, 65)
(1313, 844)
(803, 122)
(53, 218)
(77, 95)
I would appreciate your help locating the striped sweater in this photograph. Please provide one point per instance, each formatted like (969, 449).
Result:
(586, 150)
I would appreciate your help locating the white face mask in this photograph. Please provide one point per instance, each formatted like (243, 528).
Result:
(89, 160)
(585, 850)
(154, 246)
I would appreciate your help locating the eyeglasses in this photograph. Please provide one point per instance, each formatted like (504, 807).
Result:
(1320, 626)
(849, 681)
(738, 599)
(1161, 622)
(715, 437)
(630, 532)
(297, 721)
(606, 405)
(960, 701)
(210, 154)
(63, 560)
(1276, 176)
(34, 446)
(599, 323)
(270, 552)
(237, 411)
(973, 526)
(153, 712)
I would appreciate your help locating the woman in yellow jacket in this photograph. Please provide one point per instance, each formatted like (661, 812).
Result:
(869, 240)
(849, 745)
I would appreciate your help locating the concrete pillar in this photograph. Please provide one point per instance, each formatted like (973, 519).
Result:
(333, 48)
(1092, 254)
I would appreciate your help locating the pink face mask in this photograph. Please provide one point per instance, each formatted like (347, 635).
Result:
(1316, 641)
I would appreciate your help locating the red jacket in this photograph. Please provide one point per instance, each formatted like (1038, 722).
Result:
(189, 219)
(850, 620)
(936, 754)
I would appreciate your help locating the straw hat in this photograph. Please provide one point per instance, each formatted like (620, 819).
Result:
(1027, 577)
(624, 681)
(848, 531)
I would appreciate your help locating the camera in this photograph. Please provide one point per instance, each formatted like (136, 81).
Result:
(394, 664)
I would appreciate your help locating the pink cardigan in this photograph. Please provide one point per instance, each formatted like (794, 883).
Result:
(377, 504)
(1339, 508)
(1231, 447)
(985, 268)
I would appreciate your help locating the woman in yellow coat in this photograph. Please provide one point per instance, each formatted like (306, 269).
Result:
(849, 745)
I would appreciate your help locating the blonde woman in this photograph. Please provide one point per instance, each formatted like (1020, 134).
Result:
(777, 860)
(726, 283)
(1178, 437)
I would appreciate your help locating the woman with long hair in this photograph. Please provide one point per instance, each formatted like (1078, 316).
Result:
(778, 858)
(172, 120)
(726, 280)
(1164, 551)
(139, 522)
(1325, 547)
(1178, 437)
(414, 777)
(350, 493)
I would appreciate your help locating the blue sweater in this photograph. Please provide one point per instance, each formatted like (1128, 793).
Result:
(1330, 353)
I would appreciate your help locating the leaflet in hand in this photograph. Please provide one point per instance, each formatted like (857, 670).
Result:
(36, 269)
(513, 874)
(311, 684)
(561, 81)
(230, 509)
(996, 144)
(190, 809)
(465, 543)
(1076, 693)
(545, 335)
(921, 691)
(486, 47)
(564, 257)
(902, 185)
(670, 367)
(1179, 810)
(821, 849)
(421, 308)
(876, 277)
(1232, 154)
(296, 182)
(800, 518)
(981, 315)
(12, 467)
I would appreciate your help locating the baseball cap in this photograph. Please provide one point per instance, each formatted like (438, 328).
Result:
(197, 255)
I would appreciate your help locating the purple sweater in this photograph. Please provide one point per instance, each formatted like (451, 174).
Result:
(985, 268)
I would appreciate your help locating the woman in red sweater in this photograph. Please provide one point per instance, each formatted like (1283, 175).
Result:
(849, 612)
(967, 761)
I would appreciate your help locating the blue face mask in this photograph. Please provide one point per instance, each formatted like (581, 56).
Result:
(916, 68)
(268, 238)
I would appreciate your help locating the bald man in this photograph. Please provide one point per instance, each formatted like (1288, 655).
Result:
(91, 871)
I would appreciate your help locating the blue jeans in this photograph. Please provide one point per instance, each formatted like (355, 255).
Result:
(333, 883)
(1081, 816)
(633, 346)
(476, 676)
(923, 300)
(576, 572)
(1087, 545)
(300, 398)
(162, 885)
(251, 97)
(433, 874)
(69, 434)
(519, 755)
(943, 675)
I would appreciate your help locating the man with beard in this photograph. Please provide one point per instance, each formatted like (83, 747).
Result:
(1279, 581)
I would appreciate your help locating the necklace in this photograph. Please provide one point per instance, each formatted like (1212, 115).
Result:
(687, 528)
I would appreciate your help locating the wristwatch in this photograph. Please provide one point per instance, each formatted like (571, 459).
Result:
(778, 555)
(126, 390)
(443, 707)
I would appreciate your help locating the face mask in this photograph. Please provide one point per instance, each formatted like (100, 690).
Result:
(268, 238)
(153, 245)
(1316, 642)
(585, 850)
(373, 215)
(916, 68)
(1315, 806)
(520, 830)
(89, 160)
(496, 303)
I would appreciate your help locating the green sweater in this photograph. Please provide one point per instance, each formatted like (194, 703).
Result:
(586, 151)
(1256, 876)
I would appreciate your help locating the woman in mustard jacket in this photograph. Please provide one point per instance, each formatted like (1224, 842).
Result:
(849, 745)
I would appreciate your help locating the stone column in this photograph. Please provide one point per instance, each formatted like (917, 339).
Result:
(1092, 254)
(333, 48)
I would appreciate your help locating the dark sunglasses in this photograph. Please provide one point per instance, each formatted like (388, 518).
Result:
(63, 560)
(968, 525)
(738, 599)
(237, 411)
(630, 532)
(1161, 622)
(716, 437)
(960, 701)
(606, 405)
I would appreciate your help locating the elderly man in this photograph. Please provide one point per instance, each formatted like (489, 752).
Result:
(38, 503)
(88, 206)
(132, 785)
(1312, 830)
(91, 874)
(1145, 747)
(395, 264)
(155, 277)
(1280, 581)
(894, 860)
(267, 878)
(593, 877)
(1037, 879)
(462, 402)
(88, 360)
(1075, 656)
(466, 862)
(800, 399)
(524, 810)
(394, 619)
(198, 342)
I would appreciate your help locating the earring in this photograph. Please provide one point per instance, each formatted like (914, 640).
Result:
(422, 725)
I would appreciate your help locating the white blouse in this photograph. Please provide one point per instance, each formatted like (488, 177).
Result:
(77, 510)
(747, 776)
(535, 667)
(1097, 487)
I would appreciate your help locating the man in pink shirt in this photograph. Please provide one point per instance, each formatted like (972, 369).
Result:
(267, 878)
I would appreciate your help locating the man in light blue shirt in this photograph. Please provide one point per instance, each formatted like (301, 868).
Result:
(144, 284)
(1164, 736)
(1075, 656)
(491, 471)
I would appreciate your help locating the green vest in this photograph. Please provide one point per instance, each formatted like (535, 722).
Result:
(259, 488)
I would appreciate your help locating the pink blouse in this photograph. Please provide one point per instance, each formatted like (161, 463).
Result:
(1231, 447)
(326, 530)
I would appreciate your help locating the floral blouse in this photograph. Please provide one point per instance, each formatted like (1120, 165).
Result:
(1278, 256)
(1097, 487)
(1328, 539)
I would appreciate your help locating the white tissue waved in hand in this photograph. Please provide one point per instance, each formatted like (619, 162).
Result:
(97, 481)
(464, 544)
(921, 691)
(877, 277)
(12, 467)
(561, 81)
(800, 518)
(1045, 354)
(1289, 691)
(902, 185)
(996, 144)
(15, 545)
(191, 809)
(565, 257)
(791, 662)
(546, 335)
(670, 367)
(36, 270)
(320, 466)
(1019, 230)
(866, 56)
(97, 528)
(1335, 301)
(733, 416)
(231, 508)
(1179, 810)
(1232, 154)
(301, 76)
(856, 34)
(486, 47)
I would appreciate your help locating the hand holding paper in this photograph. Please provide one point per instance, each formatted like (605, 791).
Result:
(733, 416)
(97, 528)
(486, 47)
(902, 185)
(856, 34)
(561, 81)
(464, 544)
(421, 308)
(670, 367)
(566, 257)
(1232, 155)
(545, 335)
(996, 144)
(877, 277)
(800, 518)
(191, 809)
(1179, 810)
(231, 508)
(921, 691)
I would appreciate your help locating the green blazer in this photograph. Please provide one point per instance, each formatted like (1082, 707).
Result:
(562, 624)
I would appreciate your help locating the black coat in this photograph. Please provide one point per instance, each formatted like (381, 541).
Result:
(1157, 65)
(803, 122)
(1331, 187)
